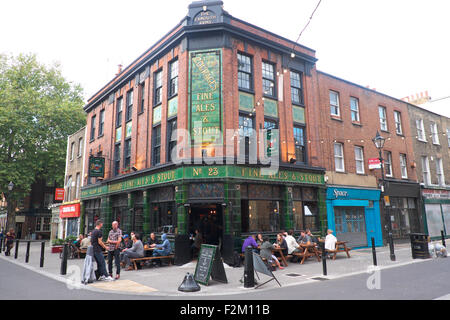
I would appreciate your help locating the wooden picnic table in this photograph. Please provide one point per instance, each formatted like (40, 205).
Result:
(283, 258)
(341, 246)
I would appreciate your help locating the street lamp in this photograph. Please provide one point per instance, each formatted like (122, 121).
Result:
(379, 142)
(9, 209)
(10, 186)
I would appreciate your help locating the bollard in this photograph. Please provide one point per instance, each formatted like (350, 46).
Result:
(374, 252)
(1, 244)
(324, 259)
(443, 238)
(17, 249)
(27, 256)
(249, 271)
(42, 254)
(391, 246)
(64, 260)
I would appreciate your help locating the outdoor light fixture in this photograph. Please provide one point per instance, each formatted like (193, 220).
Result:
(379, 141)
(293, 160)
(10, 186)
(134, 169)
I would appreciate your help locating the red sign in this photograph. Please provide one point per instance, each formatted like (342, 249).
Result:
(374, 164)
(59, 194)
(69, 211)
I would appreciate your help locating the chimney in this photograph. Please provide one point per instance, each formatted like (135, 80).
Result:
(119, 71)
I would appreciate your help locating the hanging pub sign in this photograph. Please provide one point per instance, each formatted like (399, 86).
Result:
(59, 194)
(96, 167)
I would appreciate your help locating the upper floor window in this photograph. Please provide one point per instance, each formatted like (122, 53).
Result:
(156, 145)
(142, 97)
(359, 159)
(440, 172)
(117, 159)
(158, 87)
(80, 147)
(268, 77)
(383, 118)
(420, 130)
(434, 133)
(119, 112)
(299, 138)
(448, 137)
(93, 124)
(77, 186)
(127, 154)
(388, 164)
(72, 150)
(171, 139)
(403, 166)
(334, 103)
(354, 107)
(102, 123)
(426, 170)
(69, 189)
(246, 130)
(296, 88)
(129, 112)
(245, 78)
(173, 82)
(339, 157)
(398, 122)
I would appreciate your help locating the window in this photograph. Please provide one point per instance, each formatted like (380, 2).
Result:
(434, 133)
(440, 172)
(69, 189)
(426, 171)
(172, 139)
(403, 166)
(246, 128)
(80, 147)
(296, 88)
(156, 145)
(93, 123)
(129, 113)
(42, 224)
(339, 157)
(245, 79)
(388, 163)
(117, 159)
(398, 122)
(299, 138)
(119, 112)
(268, 76)
(127, 154)
(334, 103)
(354, 107)
(448, 137)
(270, 137)
(77, 186)
(173, 82)
(420, 130)
(142, 97)
(102, 123)
(158, 87)
(359, 158)
(383, 118)
(72, 150)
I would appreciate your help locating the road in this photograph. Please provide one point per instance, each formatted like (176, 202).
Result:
(420, 281)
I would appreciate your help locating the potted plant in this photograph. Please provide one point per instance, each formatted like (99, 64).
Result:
(57, 245)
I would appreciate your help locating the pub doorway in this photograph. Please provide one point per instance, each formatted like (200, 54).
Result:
(208, 219)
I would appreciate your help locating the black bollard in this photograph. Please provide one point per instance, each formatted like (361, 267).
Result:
(324, 259)
(27, 256)
(391, 246)
(42, 254)
(1, 244)
(443, 238)
(17, 249)
(64, 260)
(249, 271)
(374, 252)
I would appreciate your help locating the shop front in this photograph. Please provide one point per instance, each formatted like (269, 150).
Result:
(437, 212)
(354, 216)
(69, 213)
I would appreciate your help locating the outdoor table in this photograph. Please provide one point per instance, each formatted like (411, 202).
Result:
(310, 251)
(341, 246)
(283, 258)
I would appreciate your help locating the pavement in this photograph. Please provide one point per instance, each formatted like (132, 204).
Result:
(164, 281)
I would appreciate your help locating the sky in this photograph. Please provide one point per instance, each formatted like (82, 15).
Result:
(399, 47)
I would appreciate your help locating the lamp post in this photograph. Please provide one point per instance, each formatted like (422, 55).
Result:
(379, 142)
(10, 219)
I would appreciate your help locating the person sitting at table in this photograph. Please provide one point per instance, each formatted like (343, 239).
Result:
(330, 241)
(281, 244)
(136, 251)
(152, 241)
(77, 243)
(163, 249)
(259, 239)
(126, 242)
(266, 253)
(250, 242)
(304, 238)
(85, 243)
(313, 238)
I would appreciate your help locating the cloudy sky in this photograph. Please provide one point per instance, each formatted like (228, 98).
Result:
(399, 47)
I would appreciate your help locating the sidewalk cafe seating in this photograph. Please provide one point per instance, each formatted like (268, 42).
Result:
(341, 247)
(137, 262)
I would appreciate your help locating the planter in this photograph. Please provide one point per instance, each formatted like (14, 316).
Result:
(57, 249)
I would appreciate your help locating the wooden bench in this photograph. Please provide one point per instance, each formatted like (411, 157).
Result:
(341, 246)
(140, 260)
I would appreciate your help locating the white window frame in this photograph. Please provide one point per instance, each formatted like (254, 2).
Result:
(339, 157)
(72, 150)
(80, 147)
(353, 111)
(404, 165)
(421, 136)
(383, 121)
(77, 186)
(440, 171)
(426, 176)
(332, 106)
(448, 137)
(359, 151)
(398, 122)
(388, 163)
(434, 133)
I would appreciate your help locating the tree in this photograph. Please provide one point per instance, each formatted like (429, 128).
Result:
(39, 108)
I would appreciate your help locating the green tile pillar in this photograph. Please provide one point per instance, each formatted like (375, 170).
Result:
(288, 206)
(82, 217)
(146, 213)
(181, 197)
(106, 215)
(129, 213)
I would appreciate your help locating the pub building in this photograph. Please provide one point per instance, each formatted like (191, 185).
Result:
(211, 73)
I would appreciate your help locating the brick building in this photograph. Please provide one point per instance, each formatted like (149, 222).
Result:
(211, 73)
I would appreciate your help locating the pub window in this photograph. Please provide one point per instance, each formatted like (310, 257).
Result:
(296, 88)
(142, 97)
(158, 88)
(268, 79)
(264, 216)
(244, 72)
(117, 159)
(246, 128)
(305, 215)
(156, 158)
(172, 139)
(119, 112)
(129, 112)
(102, 123)
(93, 123)
(299, 138)
(270, 125)
(173, 82)
(127, 154)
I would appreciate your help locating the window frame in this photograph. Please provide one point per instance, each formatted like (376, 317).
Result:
(101, 123)
(435, 133)
(272, 81)
(300, 89)
(361, 160)
(141, 98)
(398, 122)
(341, 157)
(242, 71)
(80, 147)
(117, 160)
(421, 134)
(127, 154)
(93, 126)
(157, 87)
(302, 145)
(440, 172)
(338, 108)
(358, 116)
(156, 160)
(404, 165)
(426, 165)
(385, 118)
(388, 164)
(129, 105)
(173, 79)
(171, 143)
(72, 150)
(119, 112)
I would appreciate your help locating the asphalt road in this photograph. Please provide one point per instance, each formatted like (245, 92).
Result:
(421, 281)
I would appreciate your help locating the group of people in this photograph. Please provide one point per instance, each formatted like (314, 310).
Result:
(9, 240)
(121, 249)
(287, 243)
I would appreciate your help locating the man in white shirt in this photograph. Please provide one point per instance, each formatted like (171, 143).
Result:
(291, 243)
(330, 241)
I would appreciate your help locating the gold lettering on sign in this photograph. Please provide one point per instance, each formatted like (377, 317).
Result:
(206, 73)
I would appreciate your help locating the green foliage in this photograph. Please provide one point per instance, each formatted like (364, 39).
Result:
(58, 242)
(38, 110)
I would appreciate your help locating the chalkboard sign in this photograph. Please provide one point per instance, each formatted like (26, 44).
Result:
(209, 265)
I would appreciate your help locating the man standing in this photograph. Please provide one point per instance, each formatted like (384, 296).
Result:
(97, 244)
(114, 240)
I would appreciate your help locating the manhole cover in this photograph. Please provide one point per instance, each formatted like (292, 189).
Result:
(319, 279)
(293, 275)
